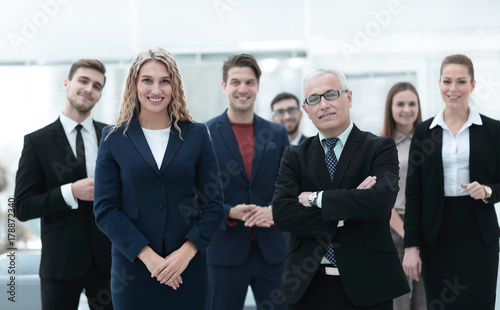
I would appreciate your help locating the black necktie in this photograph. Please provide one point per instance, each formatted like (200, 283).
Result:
(80, 149)
(331, 163)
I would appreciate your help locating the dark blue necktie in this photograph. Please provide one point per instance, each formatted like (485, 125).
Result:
(331, 163)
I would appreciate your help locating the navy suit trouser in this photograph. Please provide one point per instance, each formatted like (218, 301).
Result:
(229, 284)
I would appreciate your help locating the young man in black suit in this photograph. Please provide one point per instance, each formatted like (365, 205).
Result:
(55, 182)
(334, 194)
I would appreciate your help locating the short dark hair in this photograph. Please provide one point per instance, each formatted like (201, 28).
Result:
(87, 63)
(284, 96)
(240, 60)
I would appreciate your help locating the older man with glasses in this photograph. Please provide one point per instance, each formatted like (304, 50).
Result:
(286, 111)
(334, 194)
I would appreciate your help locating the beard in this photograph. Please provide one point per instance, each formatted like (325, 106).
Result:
(294, 129)
(239, 108)
(82, 108)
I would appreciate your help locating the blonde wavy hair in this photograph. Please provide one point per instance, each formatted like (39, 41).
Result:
(177, 108)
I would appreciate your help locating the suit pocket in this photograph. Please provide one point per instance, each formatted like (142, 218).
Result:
(131, 212)
(380, 245)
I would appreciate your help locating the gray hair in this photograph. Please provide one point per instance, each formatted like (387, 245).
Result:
(320, 72)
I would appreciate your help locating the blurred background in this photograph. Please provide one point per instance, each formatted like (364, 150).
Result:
(376, 43)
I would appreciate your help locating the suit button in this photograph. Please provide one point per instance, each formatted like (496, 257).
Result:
(159, 182)
(161, 206)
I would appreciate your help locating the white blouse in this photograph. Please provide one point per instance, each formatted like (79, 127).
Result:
(456, 154)
(157, 141)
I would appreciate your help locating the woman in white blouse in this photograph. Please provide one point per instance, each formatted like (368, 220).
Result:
(452, 184)
(402, 114)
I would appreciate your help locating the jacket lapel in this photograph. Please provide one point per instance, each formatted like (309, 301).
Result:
(227, 134)
(317, 154)
(62, 142)
(261, 144)
(141, 144)
(350, 147)
(174, 142)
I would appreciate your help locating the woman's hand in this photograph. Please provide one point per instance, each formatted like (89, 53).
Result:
(475, 190)
(170, 269)
(412, 264)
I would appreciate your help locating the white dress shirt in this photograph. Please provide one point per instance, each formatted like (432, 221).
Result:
(456, 154)
(91, 145)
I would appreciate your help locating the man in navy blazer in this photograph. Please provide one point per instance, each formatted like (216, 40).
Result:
(247, 249)
(338, 204)
(51, 184)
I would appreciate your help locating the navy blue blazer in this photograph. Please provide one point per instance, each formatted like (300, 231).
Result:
(231, 245)
(137, 204)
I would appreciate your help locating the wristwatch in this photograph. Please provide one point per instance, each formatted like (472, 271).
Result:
(312, 199)
(487, 191)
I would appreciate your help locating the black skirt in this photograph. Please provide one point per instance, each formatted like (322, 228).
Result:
(460, 272)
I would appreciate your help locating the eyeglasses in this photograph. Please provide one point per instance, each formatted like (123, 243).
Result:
(329, 95)
(280, 113)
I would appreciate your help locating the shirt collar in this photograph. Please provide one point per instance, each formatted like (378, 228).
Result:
(474, 118)
(342, 137)
(70, 124)
(399, 137)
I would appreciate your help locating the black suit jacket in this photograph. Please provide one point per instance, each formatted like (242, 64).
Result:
(70, 238)
(365, 253)
(425, 180)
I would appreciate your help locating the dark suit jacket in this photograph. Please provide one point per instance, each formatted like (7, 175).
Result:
(231, 245)
(70, 238)
(302, 138)
(137, 204)
(365, 253)
(425, 181)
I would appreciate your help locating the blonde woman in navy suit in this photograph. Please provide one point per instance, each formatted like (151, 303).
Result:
(158, 193)
(452, 185)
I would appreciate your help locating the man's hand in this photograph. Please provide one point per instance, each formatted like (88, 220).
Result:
(83, 189)
(367, 183)
(239, 211)
(304, 198)
(259, 216)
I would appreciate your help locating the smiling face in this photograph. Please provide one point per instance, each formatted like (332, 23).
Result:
(289, 114)
(455, 85)
(404, 110)
(154, 90)
(330, 117)
(241, 89)
(83, 91)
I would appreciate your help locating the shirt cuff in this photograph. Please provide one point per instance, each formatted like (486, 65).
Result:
(67, 194)
(318, 200)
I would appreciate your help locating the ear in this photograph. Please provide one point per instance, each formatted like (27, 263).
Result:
(349, 98)
(223, 84)
(304, 107)
(473, 86)
(66, 84)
